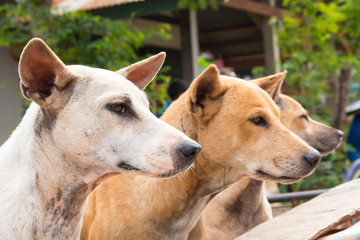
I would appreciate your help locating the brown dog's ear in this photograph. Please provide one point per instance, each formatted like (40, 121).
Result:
(271, 84)
(204, 93)
(141, 73)
(42, 74)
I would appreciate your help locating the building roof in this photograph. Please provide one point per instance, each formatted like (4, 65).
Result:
(73, 5)
(234, 33)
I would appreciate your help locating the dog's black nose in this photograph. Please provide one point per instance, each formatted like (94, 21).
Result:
(312, 158)
(190, 150)
(187, 153)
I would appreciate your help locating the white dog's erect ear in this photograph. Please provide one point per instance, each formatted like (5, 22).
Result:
(42, 74)
(141, 73)
(271, 84)
(204, 93)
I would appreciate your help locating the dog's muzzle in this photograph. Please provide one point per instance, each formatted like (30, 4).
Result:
(186, 155)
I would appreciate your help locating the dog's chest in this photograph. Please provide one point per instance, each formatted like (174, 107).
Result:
(20, 217)
(182, 226)
(59, 226)
(65, 211)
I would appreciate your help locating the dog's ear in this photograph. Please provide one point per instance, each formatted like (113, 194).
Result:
(205, 93)
(272, 84)
(43, 75)
(141, 73)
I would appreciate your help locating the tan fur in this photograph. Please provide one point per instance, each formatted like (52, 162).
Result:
(219, 113)
(244, 205)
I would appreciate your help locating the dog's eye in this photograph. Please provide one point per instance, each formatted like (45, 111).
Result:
(259, 121)
(117, 108)
(304, 117)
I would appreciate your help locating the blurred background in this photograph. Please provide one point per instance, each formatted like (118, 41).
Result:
(317, 42)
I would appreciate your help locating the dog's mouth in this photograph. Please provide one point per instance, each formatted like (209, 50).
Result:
(127, 167)
(169, 173)
(173, 172)
(327, 147)
(271, 177)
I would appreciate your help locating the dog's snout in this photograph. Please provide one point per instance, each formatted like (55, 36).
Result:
(190, 150)
(312, 158)
(187, 153)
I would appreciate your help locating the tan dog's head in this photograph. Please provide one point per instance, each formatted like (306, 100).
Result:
(293, 116)
(99, 119)
(323, 138)
(238, 126)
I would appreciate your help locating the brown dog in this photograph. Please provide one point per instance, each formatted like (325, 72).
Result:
(244, 205)
(238, 126)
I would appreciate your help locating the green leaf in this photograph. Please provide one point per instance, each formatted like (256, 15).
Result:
(193, 5)
(214, 4)
(202, 4)
(183, 4)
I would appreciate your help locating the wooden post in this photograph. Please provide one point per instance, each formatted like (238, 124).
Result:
(189, 44)
(272, 52)
(343, 90)
(194, 36)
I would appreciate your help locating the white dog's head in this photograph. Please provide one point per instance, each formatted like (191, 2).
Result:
(99, 118)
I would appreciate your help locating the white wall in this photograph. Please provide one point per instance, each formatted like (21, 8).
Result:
(10, 97)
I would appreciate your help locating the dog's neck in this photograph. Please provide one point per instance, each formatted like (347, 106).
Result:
(46, 180)
(209, 174)
(197, 185)
(194, 189)
(242, 199)
(237, 209)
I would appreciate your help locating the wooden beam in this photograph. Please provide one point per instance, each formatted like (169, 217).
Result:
(136, 9)
(189, 45)
(227, 31)
(246, 57)
(245, 62)
(271, 48)
(257, 20)
(231, 42)
(254, 7)
(194, 38)
(162, 19)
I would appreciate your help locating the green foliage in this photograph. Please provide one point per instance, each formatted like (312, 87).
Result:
(78, 37)
(195, 4)
(258, 72)
(317, 38)
(157, 91)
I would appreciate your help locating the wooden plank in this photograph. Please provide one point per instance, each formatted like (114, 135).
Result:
(351, 233)
(232, 42)
(254, 7)
(227, 31)
(246, 57)
(138, 9)
(257, 20)
(313, 218)
(245, 62)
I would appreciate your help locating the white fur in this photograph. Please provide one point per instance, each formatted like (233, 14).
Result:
(48, 168)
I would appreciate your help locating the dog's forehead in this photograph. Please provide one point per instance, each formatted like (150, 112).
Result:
(247, 89)
(253, 95)
(289, 104)
(102, 81)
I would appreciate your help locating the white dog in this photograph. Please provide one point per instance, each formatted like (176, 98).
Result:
(86, 125)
